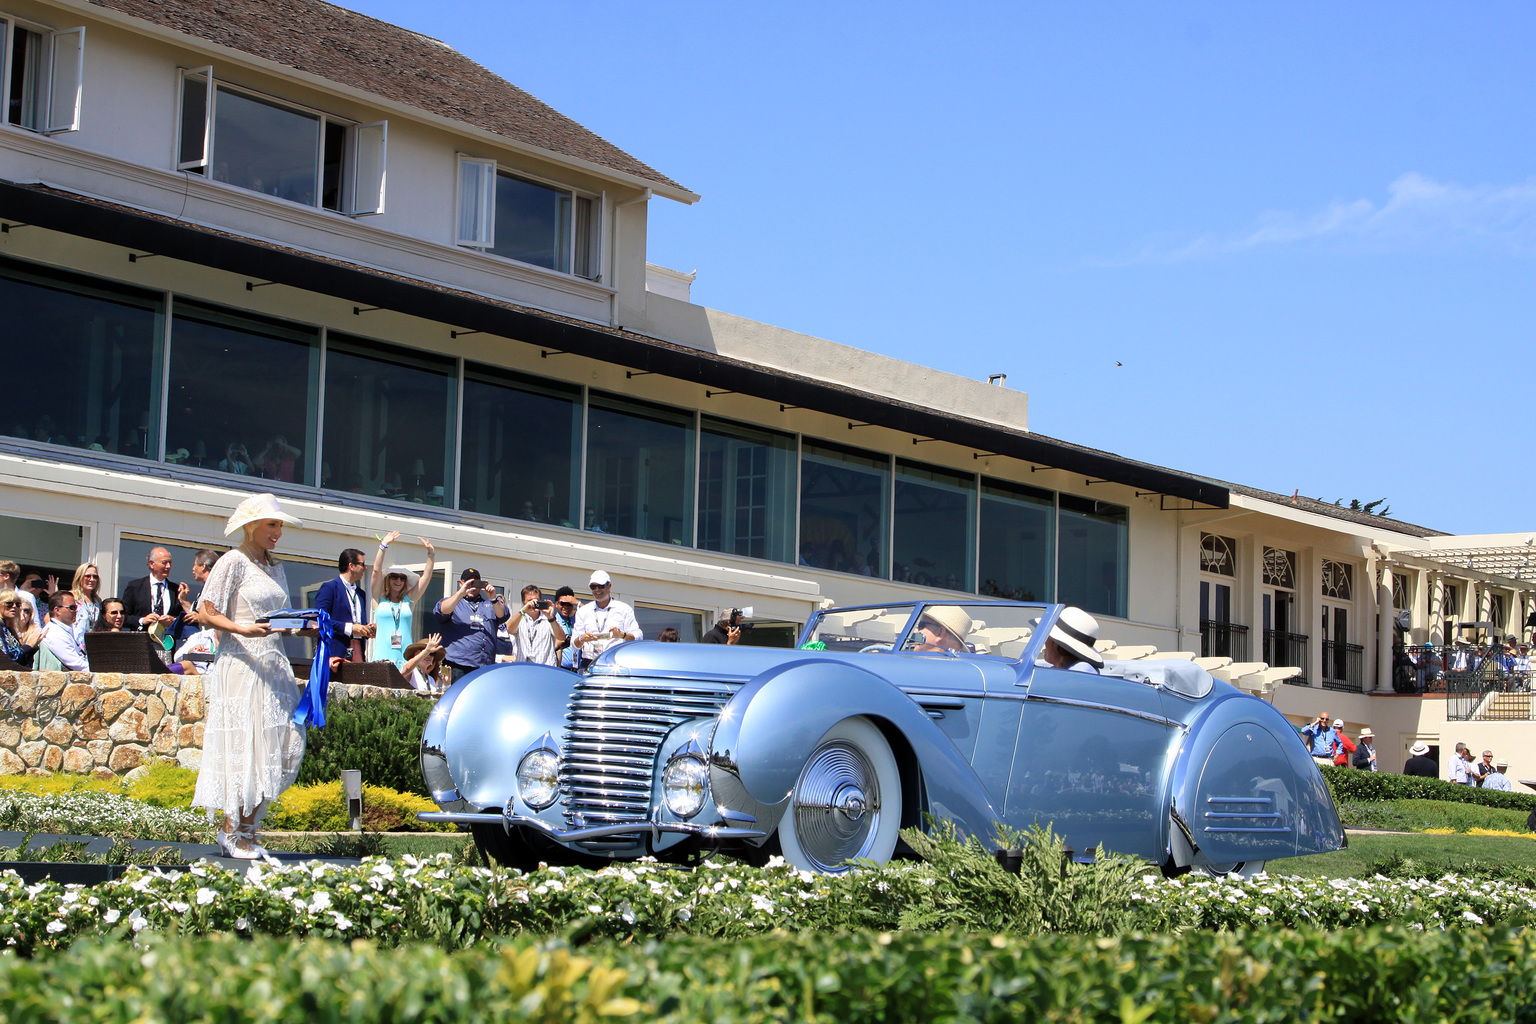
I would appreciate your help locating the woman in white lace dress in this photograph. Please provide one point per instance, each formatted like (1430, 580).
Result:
(251, 747)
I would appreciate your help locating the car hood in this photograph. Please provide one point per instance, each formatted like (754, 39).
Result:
(909, 671)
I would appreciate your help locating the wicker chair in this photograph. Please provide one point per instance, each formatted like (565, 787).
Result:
(371, 673)
(124, 652)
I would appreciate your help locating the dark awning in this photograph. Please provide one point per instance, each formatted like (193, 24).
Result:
(146, 232)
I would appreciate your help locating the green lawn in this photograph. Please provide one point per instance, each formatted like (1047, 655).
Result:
(1419, 815)
(393, 844)
(1422, 855)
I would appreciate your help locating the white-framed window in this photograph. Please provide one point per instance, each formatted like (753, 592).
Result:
(279, 149)
(43, 70)
(529, 220)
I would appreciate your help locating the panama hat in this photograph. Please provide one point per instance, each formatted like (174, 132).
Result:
(1367, 733)
(1076, 631)
(1419, 749)
(950, 617)
(256, 509)
(411, 578)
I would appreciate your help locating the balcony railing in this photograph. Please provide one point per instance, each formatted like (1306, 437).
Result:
(1287, 649)
(1343, 666)
(1480, 683)
(1223, 640)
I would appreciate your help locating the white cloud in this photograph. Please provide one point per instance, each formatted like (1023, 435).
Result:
(1419, 215)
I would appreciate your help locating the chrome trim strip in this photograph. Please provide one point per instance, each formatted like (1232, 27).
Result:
(1239, 800)
(1250, 815)
(655, 828)
(1096, 706)
(1213, 828)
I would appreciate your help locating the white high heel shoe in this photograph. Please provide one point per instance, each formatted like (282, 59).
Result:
(228, 846)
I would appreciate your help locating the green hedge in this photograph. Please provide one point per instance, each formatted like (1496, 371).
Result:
(1377, 974)
(1353, 784)
(381, 736)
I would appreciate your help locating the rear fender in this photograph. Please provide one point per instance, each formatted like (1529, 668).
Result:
(767, 731)
(1246, 790)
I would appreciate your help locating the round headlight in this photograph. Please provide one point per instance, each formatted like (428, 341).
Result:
(684, 785)
(538, 778)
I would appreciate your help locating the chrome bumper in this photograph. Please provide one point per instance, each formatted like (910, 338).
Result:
(576, 835)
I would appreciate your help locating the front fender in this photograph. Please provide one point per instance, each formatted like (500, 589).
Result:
(481, 727)
(767, 731)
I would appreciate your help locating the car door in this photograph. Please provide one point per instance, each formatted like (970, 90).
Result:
(1091, 760)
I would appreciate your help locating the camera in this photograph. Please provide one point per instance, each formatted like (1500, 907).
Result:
(741, 613)
(542, 604)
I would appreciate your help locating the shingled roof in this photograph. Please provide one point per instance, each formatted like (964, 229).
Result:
(364, 53)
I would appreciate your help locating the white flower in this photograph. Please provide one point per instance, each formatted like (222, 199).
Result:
(111, 916)
(205, 896)
(179, 907)
(1467, 915)
(594, 908)
(241, 924)
(685, 915)
(54, 927)
(137, 920)
(320, 901)
(341, 922)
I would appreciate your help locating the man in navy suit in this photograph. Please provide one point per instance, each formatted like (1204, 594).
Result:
(345, 601)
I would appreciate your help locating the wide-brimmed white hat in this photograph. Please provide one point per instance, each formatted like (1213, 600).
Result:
(256, 509)
(1419, 749)
(411, 578)
(1077, 631)
(1367, 734)
(951, 618)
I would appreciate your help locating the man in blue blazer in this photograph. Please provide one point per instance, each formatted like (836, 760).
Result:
(345, 601)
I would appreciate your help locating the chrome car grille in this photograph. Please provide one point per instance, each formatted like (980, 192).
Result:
(612, 742)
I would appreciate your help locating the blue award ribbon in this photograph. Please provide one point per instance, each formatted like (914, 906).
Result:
(311, 709)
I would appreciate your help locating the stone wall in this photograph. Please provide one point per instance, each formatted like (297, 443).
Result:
(106, 724)
(101, 724)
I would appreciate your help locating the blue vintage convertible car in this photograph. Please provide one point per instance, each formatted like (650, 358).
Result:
(825, 753)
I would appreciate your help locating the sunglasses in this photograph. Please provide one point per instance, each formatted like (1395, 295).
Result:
(601, 586)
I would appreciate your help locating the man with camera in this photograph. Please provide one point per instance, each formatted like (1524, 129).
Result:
(538, 633)
(602, 621)
(727, 630)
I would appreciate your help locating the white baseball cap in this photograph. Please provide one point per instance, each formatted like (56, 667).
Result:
(600, 578)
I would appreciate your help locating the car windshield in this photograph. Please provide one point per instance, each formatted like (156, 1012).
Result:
(862, 628)
(1000, 629)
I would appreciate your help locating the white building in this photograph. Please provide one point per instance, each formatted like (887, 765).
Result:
(251, 246)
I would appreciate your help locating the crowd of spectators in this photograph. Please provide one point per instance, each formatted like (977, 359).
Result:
(1328, 742)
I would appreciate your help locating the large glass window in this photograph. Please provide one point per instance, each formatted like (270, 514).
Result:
(1018, 541)
(639, 470)
(1092, 555)
(845, 509)
(746, 491)
(653, 620)
(237, 403)
(934, 535)
(80, 361)
(277, 149)
(265, 147)
(389, 416)
(545, 225)
(521, 453)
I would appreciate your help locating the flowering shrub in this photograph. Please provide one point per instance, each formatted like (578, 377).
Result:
(434, 901)
(100, 812)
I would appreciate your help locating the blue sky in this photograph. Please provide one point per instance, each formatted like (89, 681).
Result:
(1307, 231)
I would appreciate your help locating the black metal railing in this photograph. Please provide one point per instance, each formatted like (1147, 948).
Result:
(1482, 683)
(1223, 640)
(1343, 666)
(1287, 649)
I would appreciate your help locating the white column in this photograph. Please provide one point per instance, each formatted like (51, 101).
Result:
(1384, 630)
